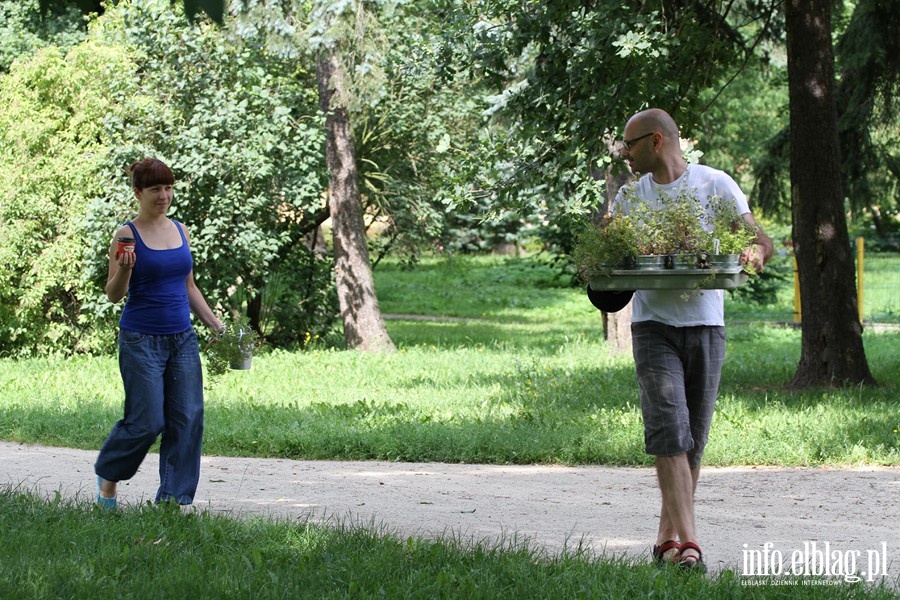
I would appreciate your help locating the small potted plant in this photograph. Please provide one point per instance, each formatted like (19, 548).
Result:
(730, 234)
(232, 347)
(611, 244)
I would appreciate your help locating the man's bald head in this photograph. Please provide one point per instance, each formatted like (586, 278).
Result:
(656, 119)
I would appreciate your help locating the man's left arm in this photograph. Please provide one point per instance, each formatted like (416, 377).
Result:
(761, 248)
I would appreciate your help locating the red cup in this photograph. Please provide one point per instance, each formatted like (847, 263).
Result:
(126, 244)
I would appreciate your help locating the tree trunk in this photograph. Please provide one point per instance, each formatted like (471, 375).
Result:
(364, 327)
(617, 325)
(832, 352)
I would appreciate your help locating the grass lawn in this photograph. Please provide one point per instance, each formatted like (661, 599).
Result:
(517, 374)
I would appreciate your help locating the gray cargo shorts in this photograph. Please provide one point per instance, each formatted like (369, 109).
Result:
(678, 372)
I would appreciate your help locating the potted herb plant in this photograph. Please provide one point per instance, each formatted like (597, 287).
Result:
(232, 347)
(730, 233)
(611, 244)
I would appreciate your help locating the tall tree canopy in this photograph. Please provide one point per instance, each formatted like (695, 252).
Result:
(568, 75)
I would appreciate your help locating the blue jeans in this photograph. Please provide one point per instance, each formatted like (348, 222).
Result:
(163, 383)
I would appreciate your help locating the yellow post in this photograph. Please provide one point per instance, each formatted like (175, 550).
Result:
(860, 274)
(796, 292)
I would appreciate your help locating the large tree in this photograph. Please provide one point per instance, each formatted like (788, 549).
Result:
(832, 351)
(389, 117)
(364, 326)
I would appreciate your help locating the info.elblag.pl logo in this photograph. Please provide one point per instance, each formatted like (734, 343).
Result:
(816, 560)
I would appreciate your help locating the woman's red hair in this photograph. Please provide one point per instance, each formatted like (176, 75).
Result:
(148, 172)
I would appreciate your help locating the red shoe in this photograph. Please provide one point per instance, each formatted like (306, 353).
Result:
(691, 563)
(660, 551)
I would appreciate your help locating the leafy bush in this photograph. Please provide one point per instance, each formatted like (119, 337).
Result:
(55, 153)
(24, 28)
(239, 128)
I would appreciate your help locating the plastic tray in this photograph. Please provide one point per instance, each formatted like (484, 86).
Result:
(671, 279)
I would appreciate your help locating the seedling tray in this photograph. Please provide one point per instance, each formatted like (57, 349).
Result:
(727, 278)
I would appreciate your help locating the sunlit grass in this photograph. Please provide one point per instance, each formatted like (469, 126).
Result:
(520, 376)
(560, 400)
(60, 549)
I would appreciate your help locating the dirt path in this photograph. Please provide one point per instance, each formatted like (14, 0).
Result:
(739, 510)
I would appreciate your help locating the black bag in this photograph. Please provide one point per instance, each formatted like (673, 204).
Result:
(609, 300)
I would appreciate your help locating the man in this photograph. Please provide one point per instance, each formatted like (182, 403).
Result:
(678, 342)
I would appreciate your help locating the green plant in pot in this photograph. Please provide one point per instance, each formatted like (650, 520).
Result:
(683, 235)
(611, 244)
(730, 235)
(232, 347)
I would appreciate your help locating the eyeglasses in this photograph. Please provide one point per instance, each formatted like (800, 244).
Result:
(629, 143)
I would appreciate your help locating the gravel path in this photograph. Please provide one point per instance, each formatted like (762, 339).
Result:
(797, 511)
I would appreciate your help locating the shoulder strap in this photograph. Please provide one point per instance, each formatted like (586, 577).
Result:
(180, 232)
(133, 229)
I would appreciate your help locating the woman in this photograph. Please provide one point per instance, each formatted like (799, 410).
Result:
(159, 357)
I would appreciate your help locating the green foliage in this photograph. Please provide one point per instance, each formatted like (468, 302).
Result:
(738, 133)
(238, 127)
(299, 303)
(411, 119)
(566, 77)
(24, 29)
(54, 151)
(415, 134)
(481, 229)
(228, 348)
(609, 245)
(868, 56)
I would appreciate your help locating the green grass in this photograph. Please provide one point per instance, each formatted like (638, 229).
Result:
(58, 549)
(529, 383)
(880, 299)
(881, 287)
(521, 375)
(570, 403)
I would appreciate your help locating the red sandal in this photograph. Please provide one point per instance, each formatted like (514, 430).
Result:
(660, 551)
(690, 563)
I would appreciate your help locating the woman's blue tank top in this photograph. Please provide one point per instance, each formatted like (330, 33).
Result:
(157, 302)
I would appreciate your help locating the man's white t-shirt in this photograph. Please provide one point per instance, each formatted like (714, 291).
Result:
(683, 308)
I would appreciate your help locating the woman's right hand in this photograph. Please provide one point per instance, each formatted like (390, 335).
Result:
(126, 260)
